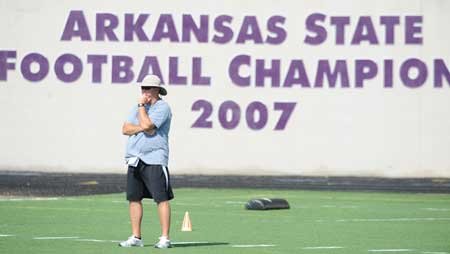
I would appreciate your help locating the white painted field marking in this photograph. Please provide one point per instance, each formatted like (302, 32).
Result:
(299, 207)
(188, 204)
(117, 201)
(340, 206)
(322, 247)
(181, 243)
(252, 245)
(438, 209)
(79, 199)
(393, 219)
(59, 208)
(391, 250)
(28, 199)
(55, 237)
(350, 206)
(5, 235)
(96, 240)
(235, 202)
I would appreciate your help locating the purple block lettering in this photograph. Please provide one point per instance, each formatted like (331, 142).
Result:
(440, 70)
(364, 69)
(174, 78)
(97, 61)
(422, 73)
(252, 108)
(4, 65)
(413, 29)
(313, 26)
(389, 22)
(221, 27)
(197, 78)
(272, 72)
(250, 31)
(77, 68)
(296, 75)
(165, 21)
(364, 31)
(286, 111)
(235, 111)
(274, 25)
(76, 19)
(200, 31)
(106, 23)
(340, 71)
(233, 70)
(25, 67)
(388, 75)
(121, 69)
(135, 27)
(150, 66)
(340, 23)
(202, 121)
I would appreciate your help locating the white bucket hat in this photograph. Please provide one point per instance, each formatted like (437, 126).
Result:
(153, 81)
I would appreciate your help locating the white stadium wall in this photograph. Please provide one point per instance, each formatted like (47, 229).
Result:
(326, 88)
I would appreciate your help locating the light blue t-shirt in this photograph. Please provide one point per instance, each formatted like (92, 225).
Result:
(151, 149)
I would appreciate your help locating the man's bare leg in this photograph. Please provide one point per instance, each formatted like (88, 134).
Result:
(164, 218)
(136, 217)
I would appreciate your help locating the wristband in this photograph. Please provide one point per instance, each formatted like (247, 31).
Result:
(141, 105)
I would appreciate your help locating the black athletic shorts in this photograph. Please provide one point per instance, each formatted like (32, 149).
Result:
(148, 181)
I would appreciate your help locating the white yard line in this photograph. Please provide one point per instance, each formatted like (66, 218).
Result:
(99, 241)
(187, 204)
(55, 237)
(79, 199)
(340, 206)
(57, 208)
(181, 243)
(28, 199)
(391, 250)
(322, 247)
(252, 245)
(235, 202)
(393, 219)
(6, 235)
(122, 201)
(437, 209)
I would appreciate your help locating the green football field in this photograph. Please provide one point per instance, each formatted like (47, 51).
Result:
(317, 222)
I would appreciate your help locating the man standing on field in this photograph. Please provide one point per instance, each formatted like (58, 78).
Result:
(147, 155)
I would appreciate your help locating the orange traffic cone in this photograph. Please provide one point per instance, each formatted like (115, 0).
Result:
(187, 225)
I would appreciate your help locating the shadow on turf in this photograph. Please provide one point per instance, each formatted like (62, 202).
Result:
(182, 245)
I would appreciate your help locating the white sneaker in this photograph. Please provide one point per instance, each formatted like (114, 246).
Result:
(132, 242)
(163, 243)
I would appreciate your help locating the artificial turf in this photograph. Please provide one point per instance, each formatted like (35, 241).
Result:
(317, 222)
